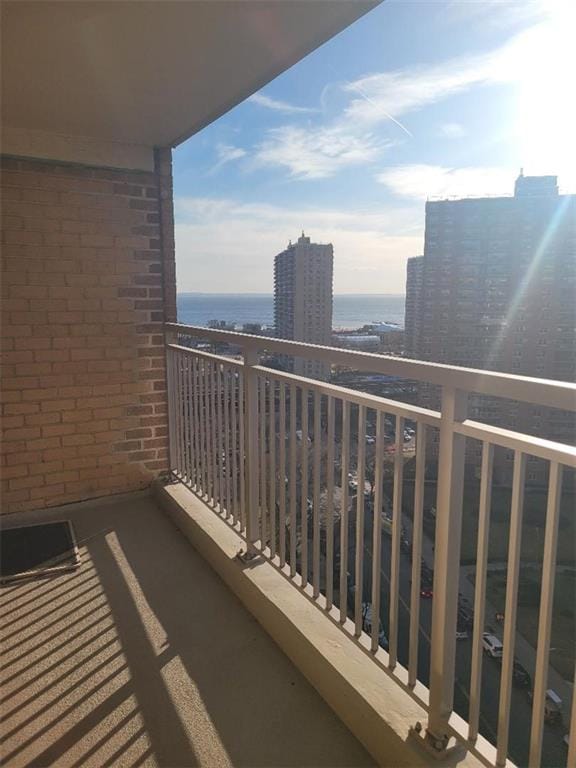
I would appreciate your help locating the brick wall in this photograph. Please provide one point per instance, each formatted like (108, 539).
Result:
(87, 281)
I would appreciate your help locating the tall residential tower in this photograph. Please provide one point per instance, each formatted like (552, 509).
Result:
(303, 299)
(498, 292)
(413, 306)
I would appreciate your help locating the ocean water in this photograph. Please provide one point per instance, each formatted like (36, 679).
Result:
(350, 311)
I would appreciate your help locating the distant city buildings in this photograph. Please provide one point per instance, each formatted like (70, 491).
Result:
(496, 289)
(303, 299)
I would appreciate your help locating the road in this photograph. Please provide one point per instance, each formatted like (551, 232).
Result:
(554, 750)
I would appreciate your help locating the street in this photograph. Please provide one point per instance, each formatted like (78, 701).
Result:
(554, 750)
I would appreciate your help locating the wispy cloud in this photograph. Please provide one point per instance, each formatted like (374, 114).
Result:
(230, 244)
(355, 136)
(226, 153)
(318, 152)
(399, 92)
(279, 106)
(423, 181)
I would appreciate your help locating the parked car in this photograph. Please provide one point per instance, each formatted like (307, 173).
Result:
(492, 645)
(462, 634)
(520, 676)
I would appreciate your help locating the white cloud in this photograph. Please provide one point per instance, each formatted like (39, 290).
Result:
(393, 94)
(452, 131)
(320, 151)
(227, 154)
(226, 245)
(279, 106)
(423, 181)
(317, 152)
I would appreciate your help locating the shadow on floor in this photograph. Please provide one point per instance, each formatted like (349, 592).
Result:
(144, 657)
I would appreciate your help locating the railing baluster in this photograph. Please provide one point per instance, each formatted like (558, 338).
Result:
(195, 432)
(377, 532)
(188, 419)
(304, 488)
(317, 460)
(345, 460)
(208, 393)
(359, 555)
(227, 428)
(176, 418)
(219, 437)
(512, 578)
(171, 408)
(206, 481)
(292, 499)
(480, 588)
(395, 545)
(213, 421)
(446, 564)
(242, 448)
(251, 447)
(272, 463)
(330, 506)
(282, 475)
(546, 606)
(417, 536)
(181, 451)
(234, 414)
(262, 426)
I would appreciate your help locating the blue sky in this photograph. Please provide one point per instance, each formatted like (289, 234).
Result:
(416, 99)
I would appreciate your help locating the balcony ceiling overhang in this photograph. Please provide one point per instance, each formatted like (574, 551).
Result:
(150, 73)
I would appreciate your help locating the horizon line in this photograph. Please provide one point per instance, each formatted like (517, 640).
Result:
(261, 293)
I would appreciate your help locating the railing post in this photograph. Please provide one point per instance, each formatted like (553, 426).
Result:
(251, 448)
(170, 337)
(446, 567)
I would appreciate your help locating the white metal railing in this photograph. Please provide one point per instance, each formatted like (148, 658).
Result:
(281, 457)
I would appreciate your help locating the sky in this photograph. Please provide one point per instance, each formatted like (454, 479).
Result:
(414, 100)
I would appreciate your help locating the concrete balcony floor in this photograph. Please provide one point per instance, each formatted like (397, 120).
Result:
(143, 657)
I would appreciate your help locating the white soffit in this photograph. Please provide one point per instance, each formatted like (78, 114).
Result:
(142, 73)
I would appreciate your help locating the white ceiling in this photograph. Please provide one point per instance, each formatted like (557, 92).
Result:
(155, 72)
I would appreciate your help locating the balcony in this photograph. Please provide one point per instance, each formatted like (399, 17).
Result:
(144, 656)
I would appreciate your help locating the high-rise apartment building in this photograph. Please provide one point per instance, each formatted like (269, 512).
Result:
(499, 292)
(303, 299)
(413, 305)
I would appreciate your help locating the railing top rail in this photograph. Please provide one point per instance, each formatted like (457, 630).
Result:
(529, 444)
(207, 355)
(378, 403)
(542, 392)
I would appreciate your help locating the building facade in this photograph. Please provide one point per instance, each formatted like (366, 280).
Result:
(414, 268)
(303, 275)
(498, 292)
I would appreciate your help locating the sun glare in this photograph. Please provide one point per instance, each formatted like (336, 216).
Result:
(546, 106)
